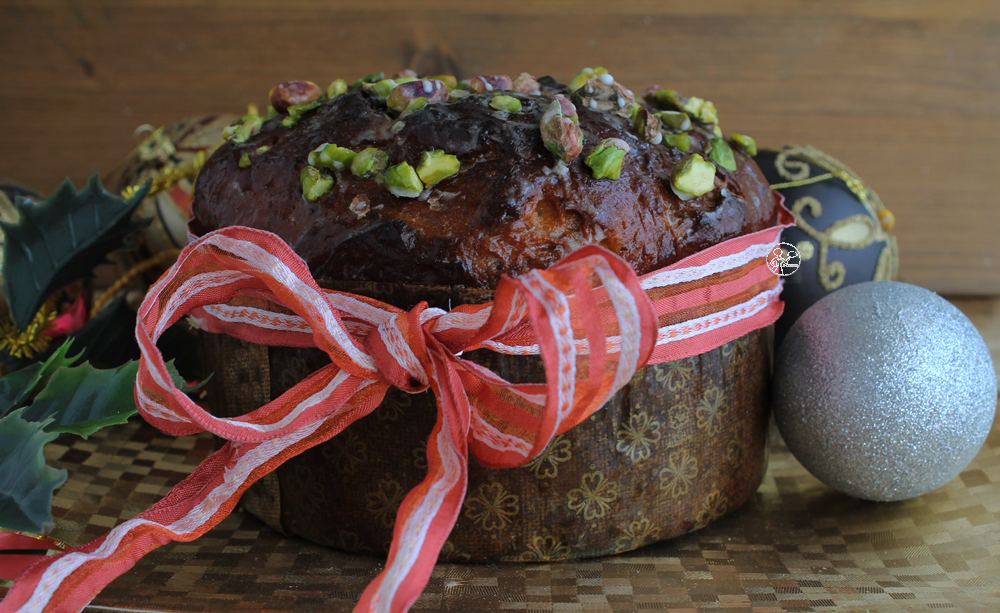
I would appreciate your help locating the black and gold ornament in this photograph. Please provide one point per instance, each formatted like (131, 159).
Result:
(842, 232)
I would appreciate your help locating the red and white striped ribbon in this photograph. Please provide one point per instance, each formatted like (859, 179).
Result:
(593, 321)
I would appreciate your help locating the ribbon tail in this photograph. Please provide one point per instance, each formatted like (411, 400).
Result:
(429, 511)
(67, 582)
(18, 552)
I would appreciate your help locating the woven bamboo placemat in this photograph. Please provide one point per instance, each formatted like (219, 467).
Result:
(796, 546)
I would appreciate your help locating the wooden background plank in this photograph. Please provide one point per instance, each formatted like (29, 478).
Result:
(907, 93)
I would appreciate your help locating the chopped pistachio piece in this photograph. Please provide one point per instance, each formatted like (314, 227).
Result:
(271, 113)
(647, 126)
(436, 166)
(449, 80)
(413, 105)
(404, 93)
(369, 161)
(524, 83)
(243, 128)
(716, 130)
(293, 93)
(245, 160)
(295, 113)
(371, 78)
(606, 160)
(720, 153)
(505, 103)
(693, 177)
(263, 149)
(560, 133)
(381, 88)
(605, 94)
(403, 181)
(666, 99)
(675, 120)
(401, 80)
(338, 87)
(706, 112)
(745, 143)
(681, 141)
(699, 108)
(585, 74)
(490, 83)
(329, 155)
(314, 183)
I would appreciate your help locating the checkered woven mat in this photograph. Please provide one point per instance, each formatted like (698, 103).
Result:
(795, 546)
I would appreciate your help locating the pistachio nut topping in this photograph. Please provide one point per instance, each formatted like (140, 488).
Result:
(295, 113)
(560, 132)
(369, 161)
(293, 93)
(329, 155)
(681, 141)
(403, 181)
(675, 120)
(585, 74)
(607, 158)
(495, 83)
(693, 177)
(567, 108)
(456, 94)
(716, 130)
(605, 94)
(413, 105)
(401, 95)
(647, 126)
(314, 183)
(447, 79)
(435, 166)
(698, 108)
(505, 103)
(720, 153)
(371, 78)
(243, 128)
(336, 88)
(744, 143)
(262, 149)
(380, 88)
(245, 160)
(524, 83)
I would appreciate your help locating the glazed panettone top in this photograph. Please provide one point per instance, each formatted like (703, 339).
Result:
(501, 176)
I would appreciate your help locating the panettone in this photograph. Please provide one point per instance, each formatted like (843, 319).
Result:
(412, 189)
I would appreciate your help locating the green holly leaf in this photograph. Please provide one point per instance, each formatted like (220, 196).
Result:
(19, 387)
(26, 482)
(60, 240)
(82, 399)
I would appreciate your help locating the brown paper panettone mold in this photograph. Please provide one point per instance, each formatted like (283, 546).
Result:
(681, 445)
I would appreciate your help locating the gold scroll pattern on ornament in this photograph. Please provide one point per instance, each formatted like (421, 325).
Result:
(852, 232)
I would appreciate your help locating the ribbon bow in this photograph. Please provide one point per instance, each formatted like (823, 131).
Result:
(589, 316)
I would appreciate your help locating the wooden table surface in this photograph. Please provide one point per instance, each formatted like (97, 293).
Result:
(906, 92)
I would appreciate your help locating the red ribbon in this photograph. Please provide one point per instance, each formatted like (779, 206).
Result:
(591, 319)
(18, 551)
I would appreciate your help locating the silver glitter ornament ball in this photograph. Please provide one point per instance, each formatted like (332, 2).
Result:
(884, 390)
